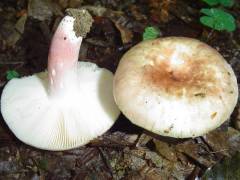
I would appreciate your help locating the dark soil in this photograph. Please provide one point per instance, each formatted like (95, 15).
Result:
(125, 151)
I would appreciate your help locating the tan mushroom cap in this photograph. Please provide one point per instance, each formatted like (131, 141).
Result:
(175, 86)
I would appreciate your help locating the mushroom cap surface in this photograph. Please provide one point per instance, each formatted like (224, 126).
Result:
(175, 86)
(85, 111)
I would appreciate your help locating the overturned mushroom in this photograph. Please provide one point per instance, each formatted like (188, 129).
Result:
(175, 86)
(67, 106)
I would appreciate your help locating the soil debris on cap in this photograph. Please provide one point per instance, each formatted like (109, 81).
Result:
(83, 21)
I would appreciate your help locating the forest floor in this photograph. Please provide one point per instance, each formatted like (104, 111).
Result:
(125, 151)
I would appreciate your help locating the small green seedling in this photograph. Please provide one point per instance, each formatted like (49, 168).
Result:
(43, 164)
(217, 18)
(224, 3)
(150, 33)
(10, 74)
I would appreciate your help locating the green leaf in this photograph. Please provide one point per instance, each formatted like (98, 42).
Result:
(207, 21)
(211, 2)
(150, 33)
(43, 164)
(227, 169)
(218, 19)
(10, 74)
(226, 3)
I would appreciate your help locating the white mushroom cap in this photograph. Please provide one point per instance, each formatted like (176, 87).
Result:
(175, 86)
(60, 123)
(65, 108)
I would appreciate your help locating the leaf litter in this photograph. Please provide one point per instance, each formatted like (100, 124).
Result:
(125, 151)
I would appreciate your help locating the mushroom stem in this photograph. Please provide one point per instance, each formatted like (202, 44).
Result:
(63, 55)
(64, 50)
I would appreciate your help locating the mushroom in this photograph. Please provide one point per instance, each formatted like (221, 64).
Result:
(175, 86)
(70, 104)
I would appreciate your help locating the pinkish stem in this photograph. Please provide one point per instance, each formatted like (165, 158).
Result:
(63, 55)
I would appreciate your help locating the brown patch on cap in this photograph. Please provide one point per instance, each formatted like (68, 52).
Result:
(213, 115)
(195, 77)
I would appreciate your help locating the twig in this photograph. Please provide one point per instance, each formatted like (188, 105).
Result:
(209, 35)
(11, 63)
(106, 161)
(214, 152)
